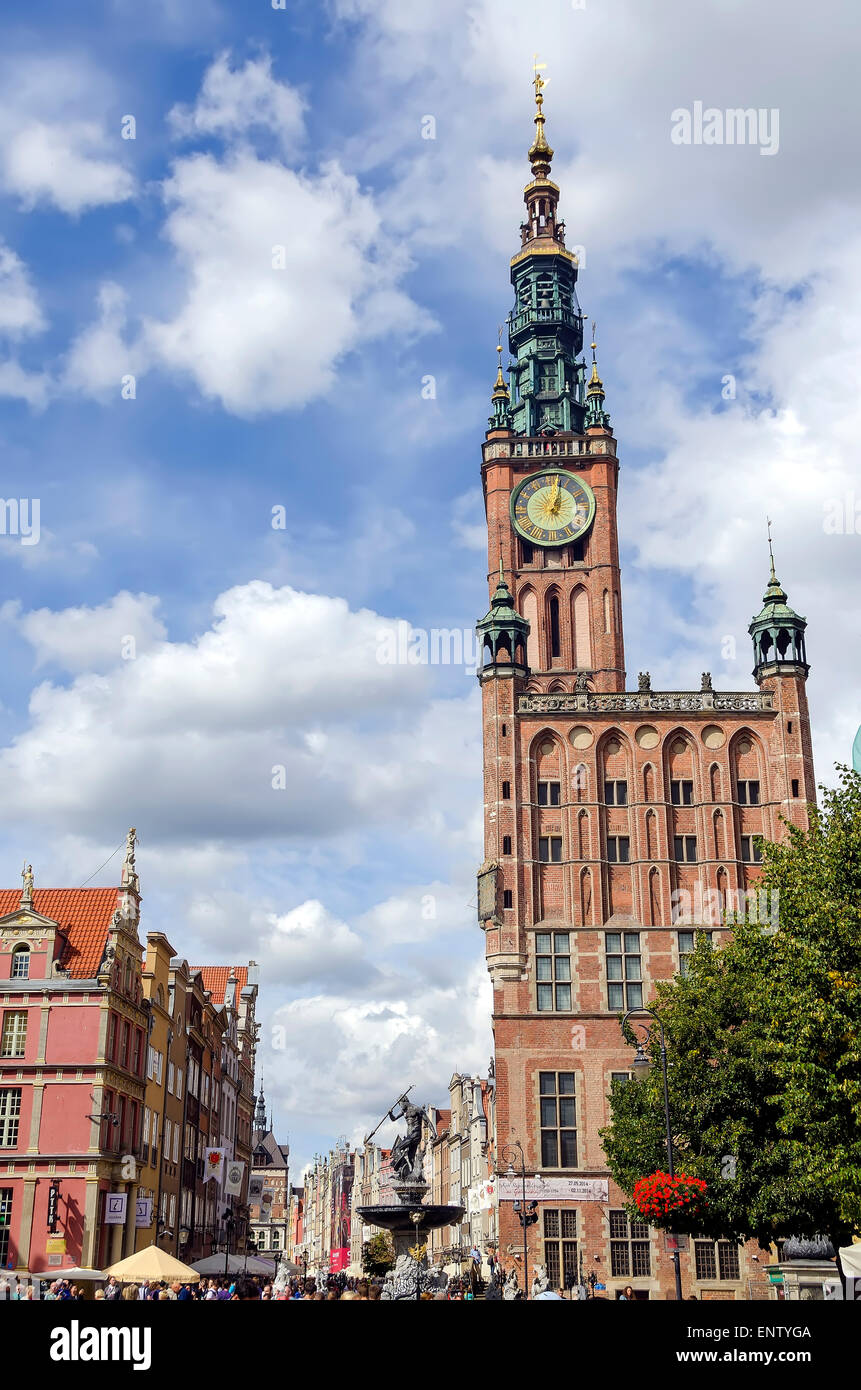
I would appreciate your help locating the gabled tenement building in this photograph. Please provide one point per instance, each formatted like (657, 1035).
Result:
(619, 823)
(116, 1072)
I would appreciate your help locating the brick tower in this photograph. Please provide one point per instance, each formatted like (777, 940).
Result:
(618, 824)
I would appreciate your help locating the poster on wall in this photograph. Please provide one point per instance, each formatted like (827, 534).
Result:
(555, 1189)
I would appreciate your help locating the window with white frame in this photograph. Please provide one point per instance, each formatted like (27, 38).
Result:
(21, 963)
(624, 970)
(553, 971)
(13, 1040)
(10, 1116)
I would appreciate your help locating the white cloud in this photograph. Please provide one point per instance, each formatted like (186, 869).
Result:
(90, 639)
(337, 1061)
(234, 100)
(263, 689)
(54, 144)
(101, 357)
(255, 336)
(20, 312)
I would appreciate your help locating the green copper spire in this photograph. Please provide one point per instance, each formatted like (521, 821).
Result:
(498, 420)
(777, 631)
(502, 631)
(545, 327)
(596, 415)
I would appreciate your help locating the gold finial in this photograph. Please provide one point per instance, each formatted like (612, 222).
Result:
(595, 383)
(540, 153)
(500, 390)
(538, 81)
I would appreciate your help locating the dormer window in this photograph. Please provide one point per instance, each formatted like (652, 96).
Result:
(21, 963)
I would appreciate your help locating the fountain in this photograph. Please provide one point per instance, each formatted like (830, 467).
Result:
(410, 1217)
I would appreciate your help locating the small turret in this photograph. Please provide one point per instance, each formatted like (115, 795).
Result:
(596, 415)
(500, 399)
(503, 632)
(778, 633)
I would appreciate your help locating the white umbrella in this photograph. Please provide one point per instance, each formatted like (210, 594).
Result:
(55, 1275)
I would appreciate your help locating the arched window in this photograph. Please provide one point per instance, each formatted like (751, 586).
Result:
(555, 641)
(21, 963)
(276, 1238)
(261, 1240)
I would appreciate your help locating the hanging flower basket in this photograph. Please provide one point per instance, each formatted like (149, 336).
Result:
(659, 1198)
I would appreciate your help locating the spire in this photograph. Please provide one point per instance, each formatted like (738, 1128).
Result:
(260, 1111)
(779, 646)
(545, 327)
(500, 398)
(540, 153)
(596, 415)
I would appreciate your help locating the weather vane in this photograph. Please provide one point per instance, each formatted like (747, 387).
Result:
(539, 82)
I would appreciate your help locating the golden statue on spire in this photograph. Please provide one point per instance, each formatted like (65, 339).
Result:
(540, 153)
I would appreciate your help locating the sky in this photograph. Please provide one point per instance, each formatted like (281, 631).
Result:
(252, 265)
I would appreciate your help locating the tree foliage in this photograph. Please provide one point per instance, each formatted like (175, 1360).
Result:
(764, 1055)
(378, 1253)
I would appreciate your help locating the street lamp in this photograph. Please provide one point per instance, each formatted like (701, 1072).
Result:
(526, 1217)
(641, 1067)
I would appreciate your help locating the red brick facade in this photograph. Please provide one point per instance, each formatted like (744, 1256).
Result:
(685, 825)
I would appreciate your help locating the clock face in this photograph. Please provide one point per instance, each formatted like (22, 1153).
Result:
(552, 507)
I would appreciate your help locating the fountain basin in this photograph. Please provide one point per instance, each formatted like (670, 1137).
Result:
(397, 1216)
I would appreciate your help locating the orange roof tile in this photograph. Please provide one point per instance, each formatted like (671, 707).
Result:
(215, 979)
(84, 914)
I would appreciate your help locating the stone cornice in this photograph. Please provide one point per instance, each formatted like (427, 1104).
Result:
(711, 702)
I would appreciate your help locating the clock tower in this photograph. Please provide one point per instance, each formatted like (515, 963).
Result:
(619, 824)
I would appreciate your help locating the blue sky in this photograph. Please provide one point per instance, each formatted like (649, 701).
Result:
(257, 387)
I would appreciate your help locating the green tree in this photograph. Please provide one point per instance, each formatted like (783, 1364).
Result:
(763, 1049)
(378, 1254)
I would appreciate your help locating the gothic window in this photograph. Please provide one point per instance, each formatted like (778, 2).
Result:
(550, 849)
(751, 850)
(582, 635)
(558, 1119)
(687, 946)
(555, 639)
(685, 849)
(630, 1255)
(606, 611)
(624, 970)
(618, 849)
(553, 971)
(748, 793)
(21, 963)
(681, 792)
(616, 793)
(717, 1260)
(549, 793)
(560, 1247)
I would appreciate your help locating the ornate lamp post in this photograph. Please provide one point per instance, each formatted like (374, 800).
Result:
(508, 1156)
(641, 1067)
